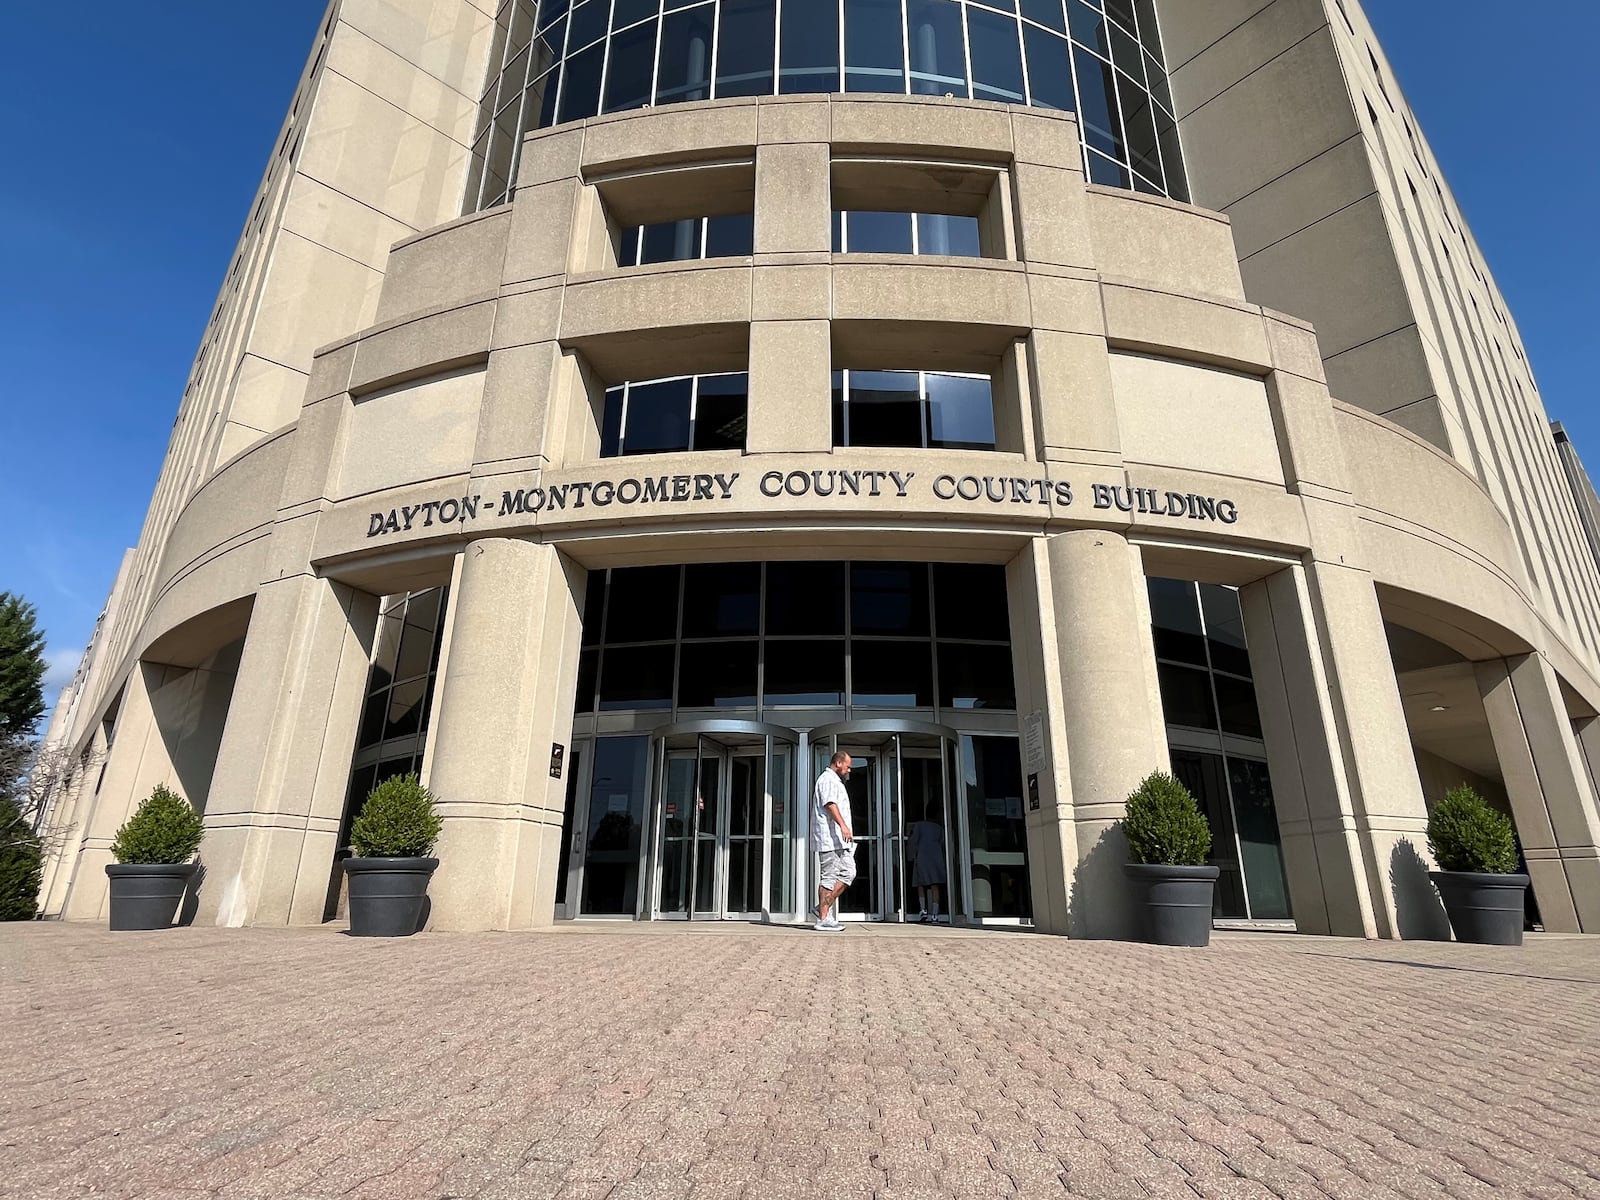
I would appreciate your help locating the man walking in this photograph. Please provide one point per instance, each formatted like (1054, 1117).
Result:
(832, 839)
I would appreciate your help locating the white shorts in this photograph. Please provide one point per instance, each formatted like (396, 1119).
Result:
(838, 867)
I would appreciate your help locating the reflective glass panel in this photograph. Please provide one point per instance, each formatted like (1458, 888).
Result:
(1236, 706)
(1225, 628)
(1175, 615)
(885, 409)
(1046, 12)
(1049, 70)
(996, 57)
(805, 598)
(948, 235)
(717, 675)
(1259, 840)
(657, 419)
(580, 97)
(960, 413)
(970, 601)
(991, 769)
(889, 599)
(873, 54)
(730, 236)
(618, 791)
(643, 605)
(975, 676)
(877, 233)
(1203, 775)
(885, 674)
(636, 677)
(809, 48)
(683, 67)
(744, 48)
(721, 412)
(805, 672)
(938, 57)
(721, 599)
(628, 78)
(1186, 696)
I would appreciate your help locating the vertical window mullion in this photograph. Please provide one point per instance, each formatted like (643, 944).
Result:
(716, 35)
(694, 413)
(905, 49)
(622, 435)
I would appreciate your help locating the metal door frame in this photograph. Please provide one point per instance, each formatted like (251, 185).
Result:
(889, 732)
(709, 735)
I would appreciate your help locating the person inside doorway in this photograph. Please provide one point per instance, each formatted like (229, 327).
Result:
(832, 839)
(927, 863)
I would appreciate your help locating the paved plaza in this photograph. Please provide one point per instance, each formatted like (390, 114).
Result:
(626, 1062)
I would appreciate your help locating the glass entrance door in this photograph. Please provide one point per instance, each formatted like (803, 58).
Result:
(900, 800)
(722, 824)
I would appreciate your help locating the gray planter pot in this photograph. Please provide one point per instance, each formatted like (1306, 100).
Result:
(1483, 909)
(1174, 902)
(387, 894)
(146, 895)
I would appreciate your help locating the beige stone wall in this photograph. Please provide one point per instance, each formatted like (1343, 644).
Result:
(1341, 216)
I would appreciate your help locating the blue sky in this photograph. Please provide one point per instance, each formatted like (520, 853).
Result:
(137, 134)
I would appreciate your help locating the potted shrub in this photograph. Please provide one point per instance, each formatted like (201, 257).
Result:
(153, 870)
(392, 839)
(1168, 841)
(1476, 849)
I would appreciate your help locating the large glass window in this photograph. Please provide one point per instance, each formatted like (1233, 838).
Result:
(869, 635)
(1102, 60)
(906, 233)
(660, 416)
(1214, 727)
(618, 791)
(913, 408)
(996, 829)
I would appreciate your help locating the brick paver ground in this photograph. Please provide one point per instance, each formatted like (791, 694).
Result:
(749, 1062)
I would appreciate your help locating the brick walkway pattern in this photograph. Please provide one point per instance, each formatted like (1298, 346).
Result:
(767, 1063)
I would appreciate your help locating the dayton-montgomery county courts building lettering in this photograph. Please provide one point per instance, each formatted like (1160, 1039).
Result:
(615, 407)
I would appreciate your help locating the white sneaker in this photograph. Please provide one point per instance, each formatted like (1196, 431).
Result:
(831, 925)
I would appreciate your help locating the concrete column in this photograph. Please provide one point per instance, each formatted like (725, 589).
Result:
(1548, 784)
(284, 764)
(1036, 653)
(135, 762)
(66, 827)
(794, 199)
(507, 692)
(791, 400)
(1110, 715)
(1344, 778)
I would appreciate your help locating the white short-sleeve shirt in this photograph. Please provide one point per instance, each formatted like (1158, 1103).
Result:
(825, 833)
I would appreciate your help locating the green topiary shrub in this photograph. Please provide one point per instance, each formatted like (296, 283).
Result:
(1164, 825)
(21, 865)
(1465, 834)
(397, 821)
(164, 829)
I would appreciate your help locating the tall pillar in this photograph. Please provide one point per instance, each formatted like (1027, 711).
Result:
(283, 768)
(135, 762)
(507, 692)
(1110, 715)
(1547, 781)
(65, 830)
(1344, 778)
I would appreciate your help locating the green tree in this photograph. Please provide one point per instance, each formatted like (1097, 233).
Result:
(22, 667)
(21, 865)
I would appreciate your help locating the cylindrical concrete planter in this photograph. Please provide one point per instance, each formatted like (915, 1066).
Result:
(146, 895)
(387, 894)
(1174, 902)
(1485, 909)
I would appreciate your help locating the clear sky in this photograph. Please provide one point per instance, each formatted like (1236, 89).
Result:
(136, 134)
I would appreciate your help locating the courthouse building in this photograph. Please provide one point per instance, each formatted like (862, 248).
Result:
(614, 407)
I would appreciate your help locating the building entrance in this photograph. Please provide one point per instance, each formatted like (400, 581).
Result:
(721, 822)
(901, 792)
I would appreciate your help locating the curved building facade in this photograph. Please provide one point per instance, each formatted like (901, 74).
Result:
(556, 61)
(787, 420)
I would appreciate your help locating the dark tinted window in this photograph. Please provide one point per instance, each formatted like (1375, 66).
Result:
(891, 674)
(1236, 704)
(581, 96)
(1186, 697)
(938, 233)
(721, 412)
(717, 675)
(873, 53)
(885, 409)
(683, 68)
(1225, 629)
(1049, 70)
(805, 598)
(632, 62)
(644, 604)
(938, 57)
(657, 417)
(960, 413)
(996, 57)
(970, 601)
(975, 676)
(721, 599)
(730, 236)
(636, 677)
(809, 48)
(889, 599)
(1175, 614)
(806, 672)
(744, 48)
